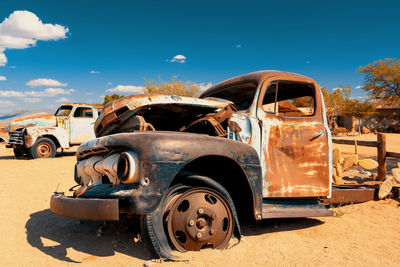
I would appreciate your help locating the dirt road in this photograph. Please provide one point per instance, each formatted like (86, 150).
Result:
(361, 235)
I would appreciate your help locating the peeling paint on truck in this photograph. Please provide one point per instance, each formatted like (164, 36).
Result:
(257, 144)
(71, 125)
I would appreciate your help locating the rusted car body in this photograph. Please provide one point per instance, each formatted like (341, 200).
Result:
(256, 145)
(39, 135)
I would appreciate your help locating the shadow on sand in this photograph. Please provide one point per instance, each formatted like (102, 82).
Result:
(118, 236)
(278, 225)
(94, 238)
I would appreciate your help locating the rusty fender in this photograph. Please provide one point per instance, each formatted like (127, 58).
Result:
(33, 133)
(163, 154)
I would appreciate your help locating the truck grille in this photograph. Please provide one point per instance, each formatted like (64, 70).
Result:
(16, 138)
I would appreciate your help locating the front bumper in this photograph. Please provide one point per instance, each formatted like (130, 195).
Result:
(95, 209)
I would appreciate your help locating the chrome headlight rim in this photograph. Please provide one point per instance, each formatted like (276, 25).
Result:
(128, 167)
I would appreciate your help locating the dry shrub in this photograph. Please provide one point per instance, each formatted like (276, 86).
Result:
(338, 211)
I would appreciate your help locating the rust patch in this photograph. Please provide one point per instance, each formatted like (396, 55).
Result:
(119, 108)
(39, 119)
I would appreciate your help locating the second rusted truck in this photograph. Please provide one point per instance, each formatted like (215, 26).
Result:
(39, 135)
(256, 145)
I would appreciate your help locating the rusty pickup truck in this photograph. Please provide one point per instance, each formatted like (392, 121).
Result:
(39, 135)
(255, 146)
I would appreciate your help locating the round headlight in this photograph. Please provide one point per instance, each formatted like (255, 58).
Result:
(128, 167)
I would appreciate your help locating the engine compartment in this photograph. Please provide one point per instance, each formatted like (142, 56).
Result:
(178, 117)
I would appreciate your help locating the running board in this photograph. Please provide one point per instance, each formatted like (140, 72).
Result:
(342, 194)
(293, 209)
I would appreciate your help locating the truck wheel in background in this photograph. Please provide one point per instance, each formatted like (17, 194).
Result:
(190, 218)
(43, 148)
(18, 152)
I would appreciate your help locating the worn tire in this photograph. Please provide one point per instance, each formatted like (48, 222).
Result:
(18, 152)
(154, 225)
(43, 148)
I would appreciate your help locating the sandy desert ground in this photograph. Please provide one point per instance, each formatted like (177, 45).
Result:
(365, 234)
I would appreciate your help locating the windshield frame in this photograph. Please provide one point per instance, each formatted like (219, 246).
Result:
(234, 93)
(64, 107)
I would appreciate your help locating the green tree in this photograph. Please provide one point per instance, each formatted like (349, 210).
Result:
(335, 100)
(382, 80)
(172, 87)
(358, 110)
(110, 98)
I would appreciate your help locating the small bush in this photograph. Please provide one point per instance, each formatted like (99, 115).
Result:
(338, 211)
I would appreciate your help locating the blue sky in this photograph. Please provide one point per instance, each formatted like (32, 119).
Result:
(103, 45)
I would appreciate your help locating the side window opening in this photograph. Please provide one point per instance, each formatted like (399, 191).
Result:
(83, 112)
(289, 99)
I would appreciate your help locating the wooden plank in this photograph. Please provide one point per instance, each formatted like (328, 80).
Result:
(393, 154)
(359, 143)
(381, 157)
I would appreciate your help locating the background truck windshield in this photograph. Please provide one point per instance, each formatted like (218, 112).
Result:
(64, 111)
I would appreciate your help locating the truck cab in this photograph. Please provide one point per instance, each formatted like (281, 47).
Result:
(256, 146)
(39, 135)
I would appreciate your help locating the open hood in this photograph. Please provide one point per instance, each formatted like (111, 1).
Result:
(164, 112)
(38, 119)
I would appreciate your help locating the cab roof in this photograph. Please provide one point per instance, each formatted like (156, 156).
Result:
(254, 77)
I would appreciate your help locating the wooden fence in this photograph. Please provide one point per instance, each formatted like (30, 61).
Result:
(380, 144)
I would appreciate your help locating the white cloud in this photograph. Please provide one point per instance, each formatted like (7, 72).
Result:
(12, 67)
(94, 72)
(127, 89)
(48, 92)
(32, 100)
(3, 58)
(179, 59)
(204, 86)
(45, 82)
(308, 62)
(238, 46)
(109, 83)
(62, 99)
(22, 29)
(3, 78)
(11, 94)
(359, 87)
(6, 103)
(102, 96)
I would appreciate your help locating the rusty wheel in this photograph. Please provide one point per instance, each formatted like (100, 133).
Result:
(197, 214)
(43, 148)
(194, 214)
(199, 218)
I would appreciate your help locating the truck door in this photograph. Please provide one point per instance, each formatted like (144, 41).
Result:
(295, 141)
(81, 125)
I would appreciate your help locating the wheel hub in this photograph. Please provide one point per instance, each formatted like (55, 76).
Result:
(199, 218)
(204, 222)
(43, 150)
(201, 222)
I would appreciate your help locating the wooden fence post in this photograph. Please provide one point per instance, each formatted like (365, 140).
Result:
(381, 157)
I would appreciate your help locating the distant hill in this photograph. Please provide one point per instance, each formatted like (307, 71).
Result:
(5, 118)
